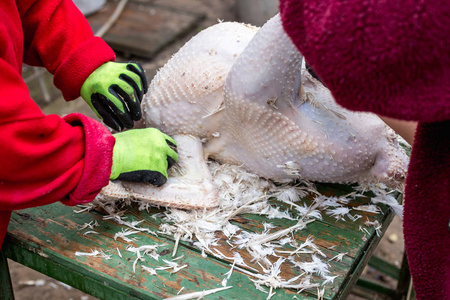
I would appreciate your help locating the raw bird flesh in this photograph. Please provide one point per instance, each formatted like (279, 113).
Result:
(240, 95)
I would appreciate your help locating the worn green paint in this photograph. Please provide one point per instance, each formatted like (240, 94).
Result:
(327, 236)
(340, 190)
(48, 246)
(375, 286)
(347, 225)
(384, 267)
(363, 256)
(402, 275)
(46, 239)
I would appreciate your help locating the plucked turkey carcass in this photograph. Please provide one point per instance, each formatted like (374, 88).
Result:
(240, 95)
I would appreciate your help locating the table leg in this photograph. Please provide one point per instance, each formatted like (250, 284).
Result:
(6, 290)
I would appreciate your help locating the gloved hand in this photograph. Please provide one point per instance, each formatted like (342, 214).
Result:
(143, 155)
(114, 91)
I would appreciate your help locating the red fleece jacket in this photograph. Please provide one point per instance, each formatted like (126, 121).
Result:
(44, 159)
(393, 58)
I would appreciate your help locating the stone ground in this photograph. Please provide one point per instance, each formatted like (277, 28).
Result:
(29, 284)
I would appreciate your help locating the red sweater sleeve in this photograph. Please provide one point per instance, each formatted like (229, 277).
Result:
(45, 159)
(58, 37)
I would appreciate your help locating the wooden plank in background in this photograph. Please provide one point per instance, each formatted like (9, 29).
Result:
(143, 29)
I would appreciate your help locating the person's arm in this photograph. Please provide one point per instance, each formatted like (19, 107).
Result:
(45, 159)
(58, 37)
(406, 129)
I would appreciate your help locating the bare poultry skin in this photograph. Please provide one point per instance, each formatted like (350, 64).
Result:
(239, 95)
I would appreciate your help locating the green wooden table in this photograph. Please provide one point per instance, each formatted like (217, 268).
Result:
(46, 239)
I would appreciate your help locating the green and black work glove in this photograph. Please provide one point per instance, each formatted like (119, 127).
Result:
(114, 91)
(143, 155)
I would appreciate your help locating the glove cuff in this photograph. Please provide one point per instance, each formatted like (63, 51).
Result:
(72, 73)
(116, 158)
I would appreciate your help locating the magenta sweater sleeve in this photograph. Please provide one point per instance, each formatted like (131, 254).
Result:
(387, 57)
(392, 58)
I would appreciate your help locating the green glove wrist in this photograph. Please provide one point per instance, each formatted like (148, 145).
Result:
(143, 155)
(114, 91)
